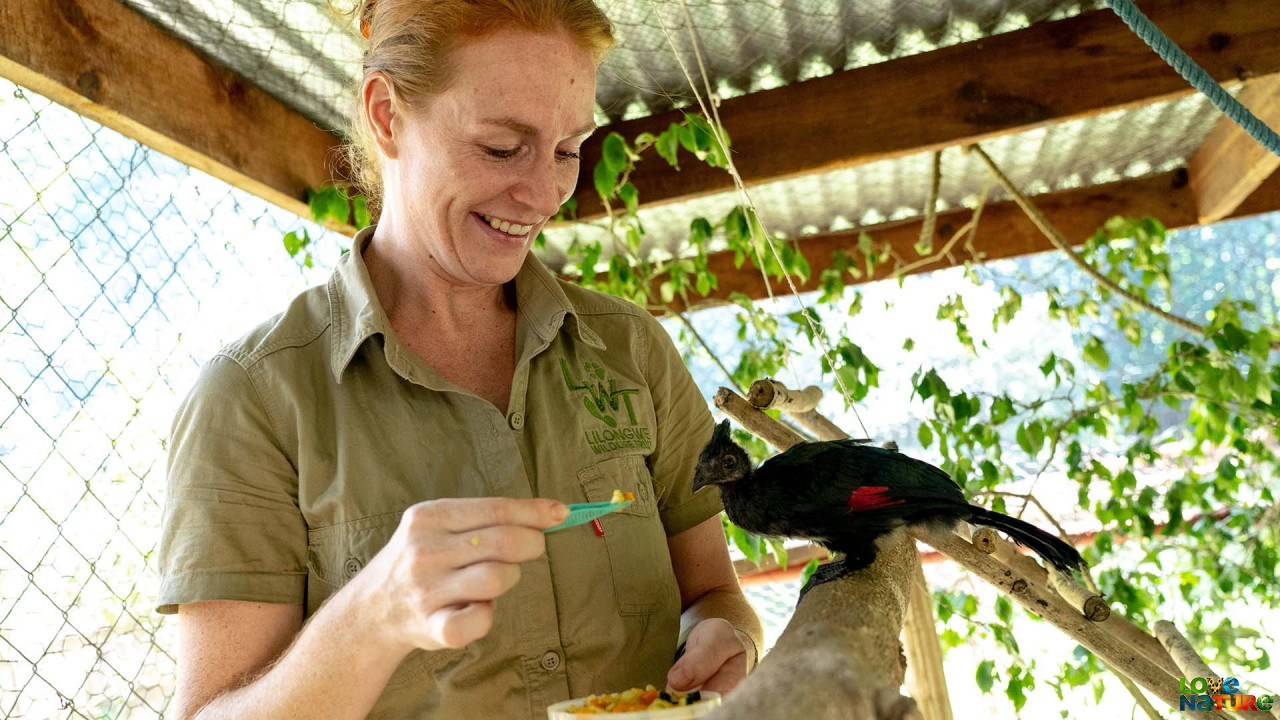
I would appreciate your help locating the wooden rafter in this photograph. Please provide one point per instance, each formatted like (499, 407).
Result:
(112, 65)
(1047, 73)
(1004, 231)
(1230, 165)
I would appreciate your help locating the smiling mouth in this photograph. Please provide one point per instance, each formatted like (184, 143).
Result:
(506, 227)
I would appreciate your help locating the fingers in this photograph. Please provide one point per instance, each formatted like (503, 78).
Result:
(464, 514)
(710, 647)
(482, 581)
(508, 544)
(459, 625)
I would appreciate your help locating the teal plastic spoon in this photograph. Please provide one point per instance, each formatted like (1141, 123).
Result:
(580, 513)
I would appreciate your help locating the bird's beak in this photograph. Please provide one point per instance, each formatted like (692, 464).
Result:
(698, 482)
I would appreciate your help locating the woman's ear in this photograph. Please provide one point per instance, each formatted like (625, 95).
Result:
(377, 95)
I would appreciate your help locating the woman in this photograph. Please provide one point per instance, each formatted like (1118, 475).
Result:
(357, 488)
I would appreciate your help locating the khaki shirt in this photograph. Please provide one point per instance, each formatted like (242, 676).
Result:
(302, 443)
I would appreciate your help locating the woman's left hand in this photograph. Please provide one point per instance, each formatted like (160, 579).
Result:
(714, 658)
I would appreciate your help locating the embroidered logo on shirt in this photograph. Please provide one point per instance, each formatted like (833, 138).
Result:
(610, 405)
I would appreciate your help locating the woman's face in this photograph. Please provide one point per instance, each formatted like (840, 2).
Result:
(499, 146)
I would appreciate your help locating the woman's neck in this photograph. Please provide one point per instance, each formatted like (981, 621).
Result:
(420, 298)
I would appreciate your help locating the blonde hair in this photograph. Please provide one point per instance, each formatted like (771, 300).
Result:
(411, 40)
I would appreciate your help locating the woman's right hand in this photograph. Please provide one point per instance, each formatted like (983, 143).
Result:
(433, 585)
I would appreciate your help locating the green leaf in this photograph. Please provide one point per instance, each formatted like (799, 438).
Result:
(668, 144)
(360, 208)
(329, 203)
(925, 435)
(613, 153)
(293, 244)
(1096, 354)
(779, 550)
(1004, 609)
(1049, 363)
(985, 675)
(605, 179)
(703, 283)
(809, 569)
(630, 196)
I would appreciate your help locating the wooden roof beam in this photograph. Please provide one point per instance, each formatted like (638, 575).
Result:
(1003, 232)
(1008, 83)
(1230, 164)
(112, 65)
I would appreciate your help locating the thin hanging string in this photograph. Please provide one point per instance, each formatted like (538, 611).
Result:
(1180, 61)
(754, 221)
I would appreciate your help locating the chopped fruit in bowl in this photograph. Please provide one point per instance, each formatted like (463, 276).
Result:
(648, 703)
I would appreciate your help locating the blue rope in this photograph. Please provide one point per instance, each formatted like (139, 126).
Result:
(1194, 74)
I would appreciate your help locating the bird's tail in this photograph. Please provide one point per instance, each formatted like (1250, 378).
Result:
(1060, 554)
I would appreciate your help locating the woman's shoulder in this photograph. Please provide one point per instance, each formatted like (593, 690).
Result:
(300, 325)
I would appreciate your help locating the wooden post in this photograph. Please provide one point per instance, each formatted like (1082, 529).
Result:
(926, 681)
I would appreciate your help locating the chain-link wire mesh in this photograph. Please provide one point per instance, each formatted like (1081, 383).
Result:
(122, 270)
(307, 55)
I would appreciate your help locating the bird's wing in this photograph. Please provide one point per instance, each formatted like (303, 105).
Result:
(862, 477)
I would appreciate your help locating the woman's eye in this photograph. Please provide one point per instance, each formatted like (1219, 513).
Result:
(567, 156)
(500, 153)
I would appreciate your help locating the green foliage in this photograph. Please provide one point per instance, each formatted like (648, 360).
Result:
(332, 206)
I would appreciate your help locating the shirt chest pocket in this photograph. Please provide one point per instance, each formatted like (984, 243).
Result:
(639, 559)
(335, 554)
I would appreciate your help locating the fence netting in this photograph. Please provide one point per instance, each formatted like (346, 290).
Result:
(123, 270)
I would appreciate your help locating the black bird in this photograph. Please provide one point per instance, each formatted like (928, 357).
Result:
(845, 494)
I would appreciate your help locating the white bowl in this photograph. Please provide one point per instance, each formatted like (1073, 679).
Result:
(710, 701)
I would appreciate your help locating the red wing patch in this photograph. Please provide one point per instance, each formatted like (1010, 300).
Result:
(870, 497)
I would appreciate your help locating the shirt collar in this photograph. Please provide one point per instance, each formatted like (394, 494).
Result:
(357, 315)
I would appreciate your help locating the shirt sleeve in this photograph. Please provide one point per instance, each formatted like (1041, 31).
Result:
(232, 529)
(684, 428)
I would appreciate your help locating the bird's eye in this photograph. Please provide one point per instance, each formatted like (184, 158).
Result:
(730, 461)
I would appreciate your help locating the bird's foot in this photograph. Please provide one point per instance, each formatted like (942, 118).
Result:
(824, 573)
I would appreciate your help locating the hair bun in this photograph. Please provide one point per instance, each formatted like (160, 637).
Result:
(366, 12)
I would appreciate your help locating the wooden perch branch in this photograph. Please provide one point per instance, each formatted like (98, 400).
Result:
(757, 423)
(800, 405)
(1090, 604)
(1186, 657)
(1028, 590)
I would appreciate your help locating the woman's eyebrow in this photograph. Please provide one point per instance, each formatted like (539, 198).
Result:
(528, 130)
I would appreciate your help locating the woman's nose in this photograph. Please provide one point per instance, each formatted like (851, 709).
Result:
(546, 186)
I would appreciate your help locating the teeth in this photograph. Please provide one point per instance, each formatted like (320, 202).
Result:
(506, 226)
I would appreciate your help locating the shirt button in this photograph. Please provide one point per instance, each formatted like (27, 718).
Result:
(352, 567)
(550, 660)
(517, 420)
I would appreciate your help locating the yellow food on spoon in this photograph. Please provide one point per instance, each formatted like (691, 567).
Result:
(621, 497)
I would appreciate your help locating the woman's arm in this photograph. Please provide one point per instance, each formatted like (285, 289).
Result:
(233, 661)
(432, 586)
(723, 632)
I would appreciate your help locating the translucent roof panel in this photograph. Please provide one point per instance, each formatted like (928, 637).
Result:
(1101, 149)
(306, 55)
